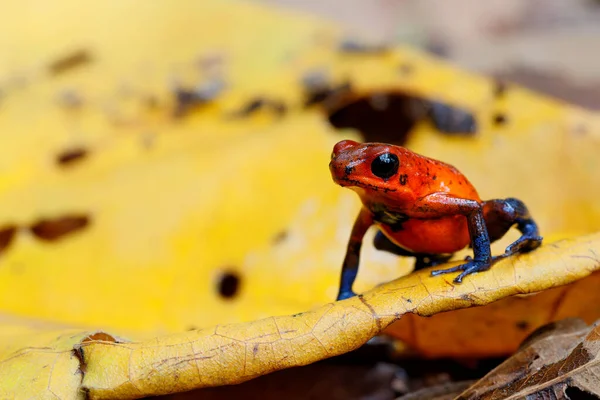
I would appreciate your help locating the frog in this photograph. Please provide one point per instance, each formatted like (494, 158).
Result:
(423, 208)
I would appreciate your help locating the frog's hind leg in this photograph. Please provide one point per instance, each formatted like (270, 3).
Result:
(381, 242)
(502, 214)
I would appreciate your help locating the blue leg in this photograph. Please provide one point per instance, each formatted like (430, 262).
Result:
(501, 215)
(352, 259)
(482, 255)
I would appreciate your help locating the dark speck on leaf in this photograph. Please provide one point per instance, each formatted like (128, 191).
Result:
(69, 157)
(7, 234)
(254, 105)
(229, 284)
(318, 89)
(189, 99)
(57, 228)
(69, 62)
(451, 120)
(500, 119)
(355, 46)
(280, 237)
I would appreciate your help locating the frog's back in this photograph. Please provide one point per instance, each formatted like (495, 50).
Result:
(425, 175)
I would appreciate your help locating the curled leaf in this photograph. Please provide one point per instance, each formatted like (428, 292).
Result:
(230, 354)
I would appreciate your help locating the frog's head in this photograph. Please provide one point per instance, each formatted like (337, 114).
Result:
(372, 167)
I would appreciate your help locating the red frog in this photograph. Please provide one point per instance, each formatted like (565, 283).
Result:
(423, 208)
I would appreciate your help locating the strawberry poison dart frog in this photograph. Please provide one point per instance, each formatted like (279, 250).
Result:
(423, 208)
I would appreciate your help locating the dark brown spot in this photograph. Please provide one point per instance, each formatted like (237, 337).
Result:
(522, 325)
(280, 237)
(348, 169)
(54, 229)
(252, 106)
(434, 177)
(68, 157)
(452, 120)
(259, 103)
(318, 90)
(70, 61)
(79, 354)
(255, 348)
(403, 179)
(389, 124)
(187, 100)
(7, 235)
(99, 336)
(355, 46)
(229, 284)
(499, 119)
(279, 108)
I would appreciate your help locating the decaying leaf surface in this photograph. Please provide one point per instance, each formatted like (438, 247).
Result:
(560, 361)
(39, 360)
(231, 354)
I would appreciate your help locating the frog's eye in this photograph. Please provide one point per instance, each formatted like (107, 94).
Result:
(385, 165)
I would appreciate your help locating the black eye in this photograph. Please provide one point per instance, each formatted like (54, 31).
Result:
(385, 165)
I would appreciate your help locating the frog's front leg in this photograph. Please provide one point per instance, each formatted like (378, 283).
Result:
(482, 254)
(440, 205)
(352, 259)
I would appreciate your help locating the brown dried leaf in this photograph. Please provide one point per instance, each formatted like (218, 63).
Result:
(560, 360)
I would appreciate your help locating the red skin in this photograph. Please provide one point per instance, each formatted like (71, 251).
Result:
(424, 208)
(430, 193)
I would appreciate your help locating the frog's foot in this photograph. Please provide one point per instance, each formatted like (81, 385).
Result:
(470, 267)
(524, 244)
(346, 294)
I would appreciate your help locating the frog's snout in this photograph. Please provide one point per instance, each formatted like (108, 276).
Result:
(339, 165)
(342, 146)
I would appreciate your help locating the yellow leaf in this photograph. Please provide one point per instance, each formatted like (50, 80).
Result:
(230, 354)
(39, 360)
(137, 234)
